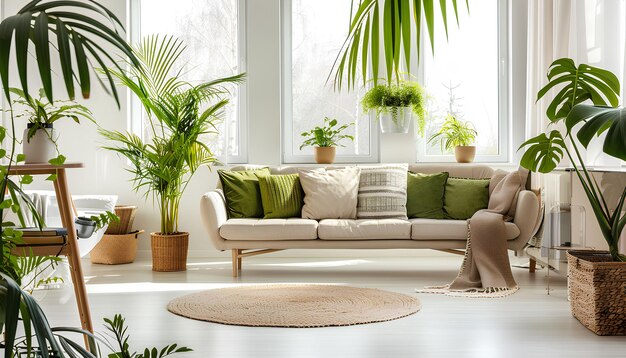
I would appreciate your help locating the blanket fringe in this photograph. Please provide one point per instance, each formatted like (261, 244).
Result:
(485, 292)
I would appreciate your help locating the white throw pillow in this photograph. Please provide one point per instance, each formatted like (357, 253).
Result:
(330, 193)
(382, 192)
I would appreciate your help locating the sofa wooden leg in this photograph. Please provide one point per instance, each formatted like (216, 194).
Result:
(532, 265)
(235, 253)
(239, 258)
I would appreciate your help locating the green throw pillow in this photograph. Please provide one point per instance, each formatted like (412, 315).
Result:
(464, 197)
(425, 195)
(242, 192)
(282, 196)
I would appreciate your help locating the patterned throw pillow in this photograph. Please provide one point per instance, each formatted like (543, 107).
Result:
(382, 192)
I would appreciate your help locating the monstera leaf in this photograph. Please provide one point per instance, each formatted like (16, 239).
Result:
(544, 152)
(577, 85)
(598, 120)
(75, 30)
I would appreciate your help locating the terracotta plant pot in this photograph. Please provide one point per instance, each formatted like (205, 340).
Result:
(464, 153)
(324, 155)
(169, 252)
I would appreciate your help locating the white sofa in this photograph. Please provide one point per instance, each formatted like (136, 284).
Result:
(248, 237)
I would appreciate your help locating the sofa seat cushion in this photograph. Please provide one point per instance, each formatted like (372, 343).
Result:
(433, 229)
(269, 229)
(364, 229)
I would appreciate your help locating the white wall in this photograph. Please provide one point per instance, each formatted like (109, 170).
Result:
(105, 173)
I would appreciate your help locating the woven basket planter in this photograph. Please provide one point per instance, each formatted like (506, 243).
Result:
(598, 291)
(169, 252)
(115, 249)
(126, 213)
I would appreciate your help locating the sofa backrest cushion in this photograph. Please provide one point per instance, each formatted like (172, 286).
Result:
(382, 192)
(242, 192)
(425, 194)
(330, 193)
(282, 196)
(463, 197)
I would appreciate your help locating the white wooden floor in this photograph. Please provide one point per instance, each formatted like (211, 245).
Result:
(527, 324)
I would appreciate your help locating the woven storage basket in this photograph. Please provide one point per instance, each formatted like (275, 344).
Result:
(169, 252)
(126, 213)
(598, 291)
(115, 249)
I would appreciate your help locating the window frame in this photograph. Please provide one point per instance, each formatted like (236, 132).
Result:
(287, 154)
(135, 110)
(504, 100)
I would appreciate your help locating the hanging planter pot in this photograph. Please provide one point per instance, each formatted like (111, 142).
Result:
(41, 146)
(395, 119)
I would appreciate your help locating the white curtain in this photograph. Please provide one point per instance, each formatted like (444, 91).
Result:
(588, 31)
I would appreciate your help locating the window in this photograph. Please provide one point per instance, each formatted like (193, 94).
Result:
(313, 32)
(472, 69)
(213, 32)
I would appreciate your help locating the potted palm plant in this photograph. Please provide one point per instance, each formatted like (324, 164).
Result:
(459, 136)
(597, 279)
(395, 104)
(179, 114)
(325, 139)
(39, 139)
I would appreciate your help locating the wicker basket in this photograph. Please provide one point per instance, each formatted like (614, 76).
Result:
(598, 291)
(115, 249)
(126, 213)
(169, 252)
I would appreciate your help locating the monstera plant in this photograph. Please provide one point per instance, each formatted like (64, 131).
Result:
(399, 23)
(577, 86)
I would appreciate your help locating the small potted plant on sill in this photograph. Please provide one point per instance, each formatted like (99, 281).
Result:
(179, 114)
(459, 136)
(597, 279)
(39, 142)
(325, 139)
(395, 105)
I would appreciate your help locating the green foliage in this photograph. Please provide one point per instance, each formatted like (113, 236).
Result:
(454, 132)
(179, 114)
(399, 22)
(383, 98)
(104, 219)
(75, 30)
(328, 135)
(40, 111)
(117, 327)
(577, 85)
(42, 340)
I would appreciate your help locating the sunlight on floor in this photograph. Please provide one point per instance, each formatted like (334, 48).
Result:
(143, 287)
(334, 263)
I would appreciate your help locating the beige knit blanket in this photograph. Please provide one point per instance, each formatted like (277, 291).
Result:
(486, 270)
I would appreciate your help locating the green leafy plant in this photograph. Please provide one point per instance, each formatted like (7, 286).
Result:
(75, 30)
(40, 112)
(42, 340)
(387, 98)
(583, 122)
(328, 135)
(179, 114)
(399, 23)
(454, 132)
(104, 219)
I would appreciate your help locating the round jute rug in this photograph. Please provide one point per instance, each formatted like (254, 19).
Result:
(294, 305)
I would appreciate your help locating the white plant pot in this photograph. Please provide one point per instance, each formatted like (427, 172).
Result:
(39, 148)
(395, 119)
